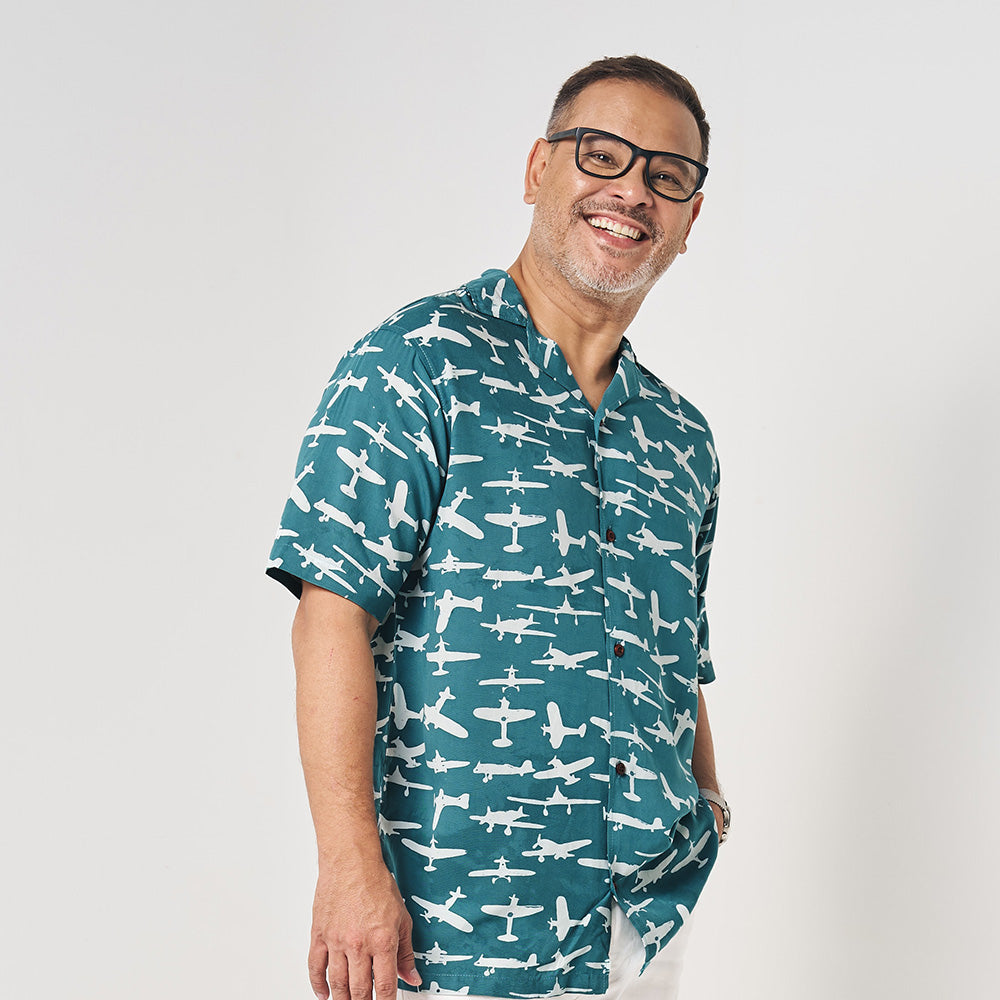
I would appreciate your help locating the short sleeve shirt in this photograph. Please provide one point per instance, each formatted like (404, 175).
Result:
(538, 570)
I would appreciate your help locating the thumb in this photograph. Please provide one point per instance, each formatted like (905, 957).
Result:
(405, 965)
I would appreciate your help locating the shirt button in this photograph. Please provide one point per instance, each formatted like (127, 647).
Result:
(609, 535)
(619, 649)
(620, 769)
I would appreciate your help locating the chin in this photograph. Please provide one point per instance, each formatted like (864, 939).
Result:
(609, 283)
(598, 278)
(612, 277)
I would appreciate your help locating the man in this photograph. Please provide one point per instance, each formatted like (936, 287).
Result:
(499, 533)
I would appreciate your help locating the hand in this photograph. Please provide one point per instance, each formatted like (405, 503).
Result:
(360, 933)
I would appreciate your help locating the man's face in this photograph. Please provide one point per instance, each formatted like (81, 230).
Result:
(573, 210)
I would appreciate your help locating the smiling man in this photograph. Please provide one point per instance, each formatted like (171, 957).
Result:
(499, 534)
(641, 234)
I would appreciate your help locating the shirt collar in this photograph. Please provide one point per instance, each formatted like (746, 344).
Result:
(494, 293)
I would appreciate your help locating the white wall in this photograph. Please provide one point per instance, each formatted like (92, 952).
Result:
(204, 203)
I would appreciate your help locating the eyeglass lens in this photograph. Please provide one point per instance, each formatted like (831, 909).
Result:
(603, 156)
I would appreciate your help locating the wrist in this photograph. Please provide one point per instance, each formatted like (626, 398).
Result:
(720, 808)
(351, 846)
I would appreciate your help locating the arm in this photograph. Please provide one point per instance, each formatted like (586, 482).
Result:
(360, 927)
(703, 758)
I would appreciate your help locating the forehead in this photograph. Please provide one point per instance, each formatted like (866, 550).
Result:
(637, 112)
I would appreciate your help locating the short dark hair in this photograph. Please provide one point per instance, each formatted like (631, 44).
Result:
(638, 69)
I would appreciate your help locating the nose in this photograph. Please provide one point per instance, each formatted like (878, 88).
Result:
(631, 186)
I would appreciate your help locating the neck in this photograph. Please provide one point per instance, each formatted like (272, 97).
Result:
(588, 329)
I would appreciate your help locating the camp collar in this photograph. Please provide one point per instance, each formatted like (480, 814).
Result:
(494, 293)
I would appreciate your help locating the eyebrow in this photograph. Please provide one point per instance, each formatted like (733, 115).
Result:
(615, 135)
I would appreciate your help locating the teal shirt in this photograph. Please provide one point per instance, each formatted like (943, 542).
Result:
(539, 572)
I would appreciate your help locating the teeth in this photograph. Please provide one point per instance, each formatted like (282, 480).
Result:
(615, 227)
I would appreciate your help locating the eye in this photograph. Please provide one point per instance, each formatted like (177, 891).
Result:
(600, 157)
(603, 154)
(663, 179)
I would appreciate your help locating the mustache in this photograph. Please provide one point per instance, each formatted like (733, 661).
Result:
(594, 207)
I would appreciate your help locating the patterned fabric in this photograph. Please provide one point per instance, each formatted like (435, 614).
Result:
(539, 573)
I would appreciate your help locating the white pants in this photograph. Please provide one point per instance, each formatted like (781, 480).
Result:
(661, 981)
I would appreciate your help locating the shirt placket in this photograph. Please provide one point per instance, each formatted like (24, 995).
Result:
(621, 642)
(621, 649)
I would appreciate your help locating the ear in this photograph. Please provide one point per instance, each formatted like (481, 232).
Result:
(538, 159)
(695, 211)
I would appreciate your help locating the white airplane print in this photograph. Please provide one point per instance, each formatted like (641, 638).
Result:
(456, 485)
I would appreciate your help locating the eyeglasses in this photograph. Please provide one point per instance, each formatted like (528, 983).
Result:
(604, 154)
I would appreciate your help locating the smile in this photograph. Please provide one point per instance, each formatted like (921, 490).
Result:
(600, 222)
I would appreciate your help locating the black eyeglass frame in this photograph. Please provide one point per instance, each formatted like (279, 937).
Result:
(646, 154)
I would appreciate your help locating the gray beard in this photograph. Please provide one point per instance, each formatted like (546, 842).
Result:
(603, 281)
(609, 284)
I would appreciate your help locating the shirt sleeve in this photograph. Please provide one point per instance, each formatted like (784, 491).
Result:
(368, 480)
(703, 551)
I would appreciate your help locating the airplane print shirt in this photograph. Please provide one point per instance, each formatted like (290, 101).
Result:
(539, 572)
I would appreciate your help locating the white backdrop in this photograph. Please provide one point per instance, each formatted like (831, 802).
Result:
(204, 203)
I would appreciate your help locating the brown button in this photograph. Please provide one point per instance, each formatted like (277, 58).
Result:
(620, 769)
(619, 649)
(609, 535)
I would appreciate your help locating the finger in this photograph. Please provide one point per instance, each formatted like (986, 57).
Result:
(384, 969)
(359, 974)
(406, 966)
(340, 988)
(318, 956)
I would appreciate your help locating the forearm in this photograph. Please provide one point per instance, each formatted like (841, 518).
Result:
(703, 756)
(336, 711)
(360, 928)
